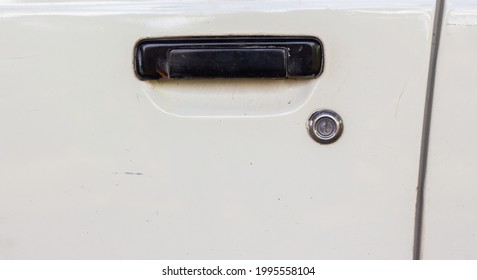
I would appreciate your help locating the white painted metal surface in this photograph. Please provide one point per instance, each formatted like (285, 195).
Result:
(450, 220)
(97, 164)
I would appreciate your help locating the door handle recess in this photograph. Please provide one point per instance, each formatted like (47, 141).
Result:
(229, 57)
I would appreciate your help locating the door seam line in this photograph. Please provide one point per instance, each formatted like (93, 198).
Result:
(426, 126)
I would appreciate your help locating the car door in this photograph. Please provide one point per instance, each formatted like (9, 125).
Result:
(449, 221)
(96, 163)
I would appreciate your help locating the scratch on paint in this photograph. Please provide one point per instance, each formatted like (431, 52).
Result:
(128, 173)
(133, 173)
(400, 96)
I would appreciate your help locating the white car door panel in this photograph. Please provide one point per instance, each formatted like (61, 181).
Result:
(450, 217)
(96, 163)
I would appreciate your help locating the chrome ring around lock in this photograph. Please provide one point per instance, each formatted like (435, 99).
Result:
(325, 126)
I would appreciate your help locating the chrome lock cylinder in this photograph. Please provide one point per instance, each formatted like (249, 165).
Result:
(325, 126)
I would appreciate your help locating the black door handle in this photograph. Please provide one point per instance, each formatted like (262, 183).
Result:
(229, 57)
